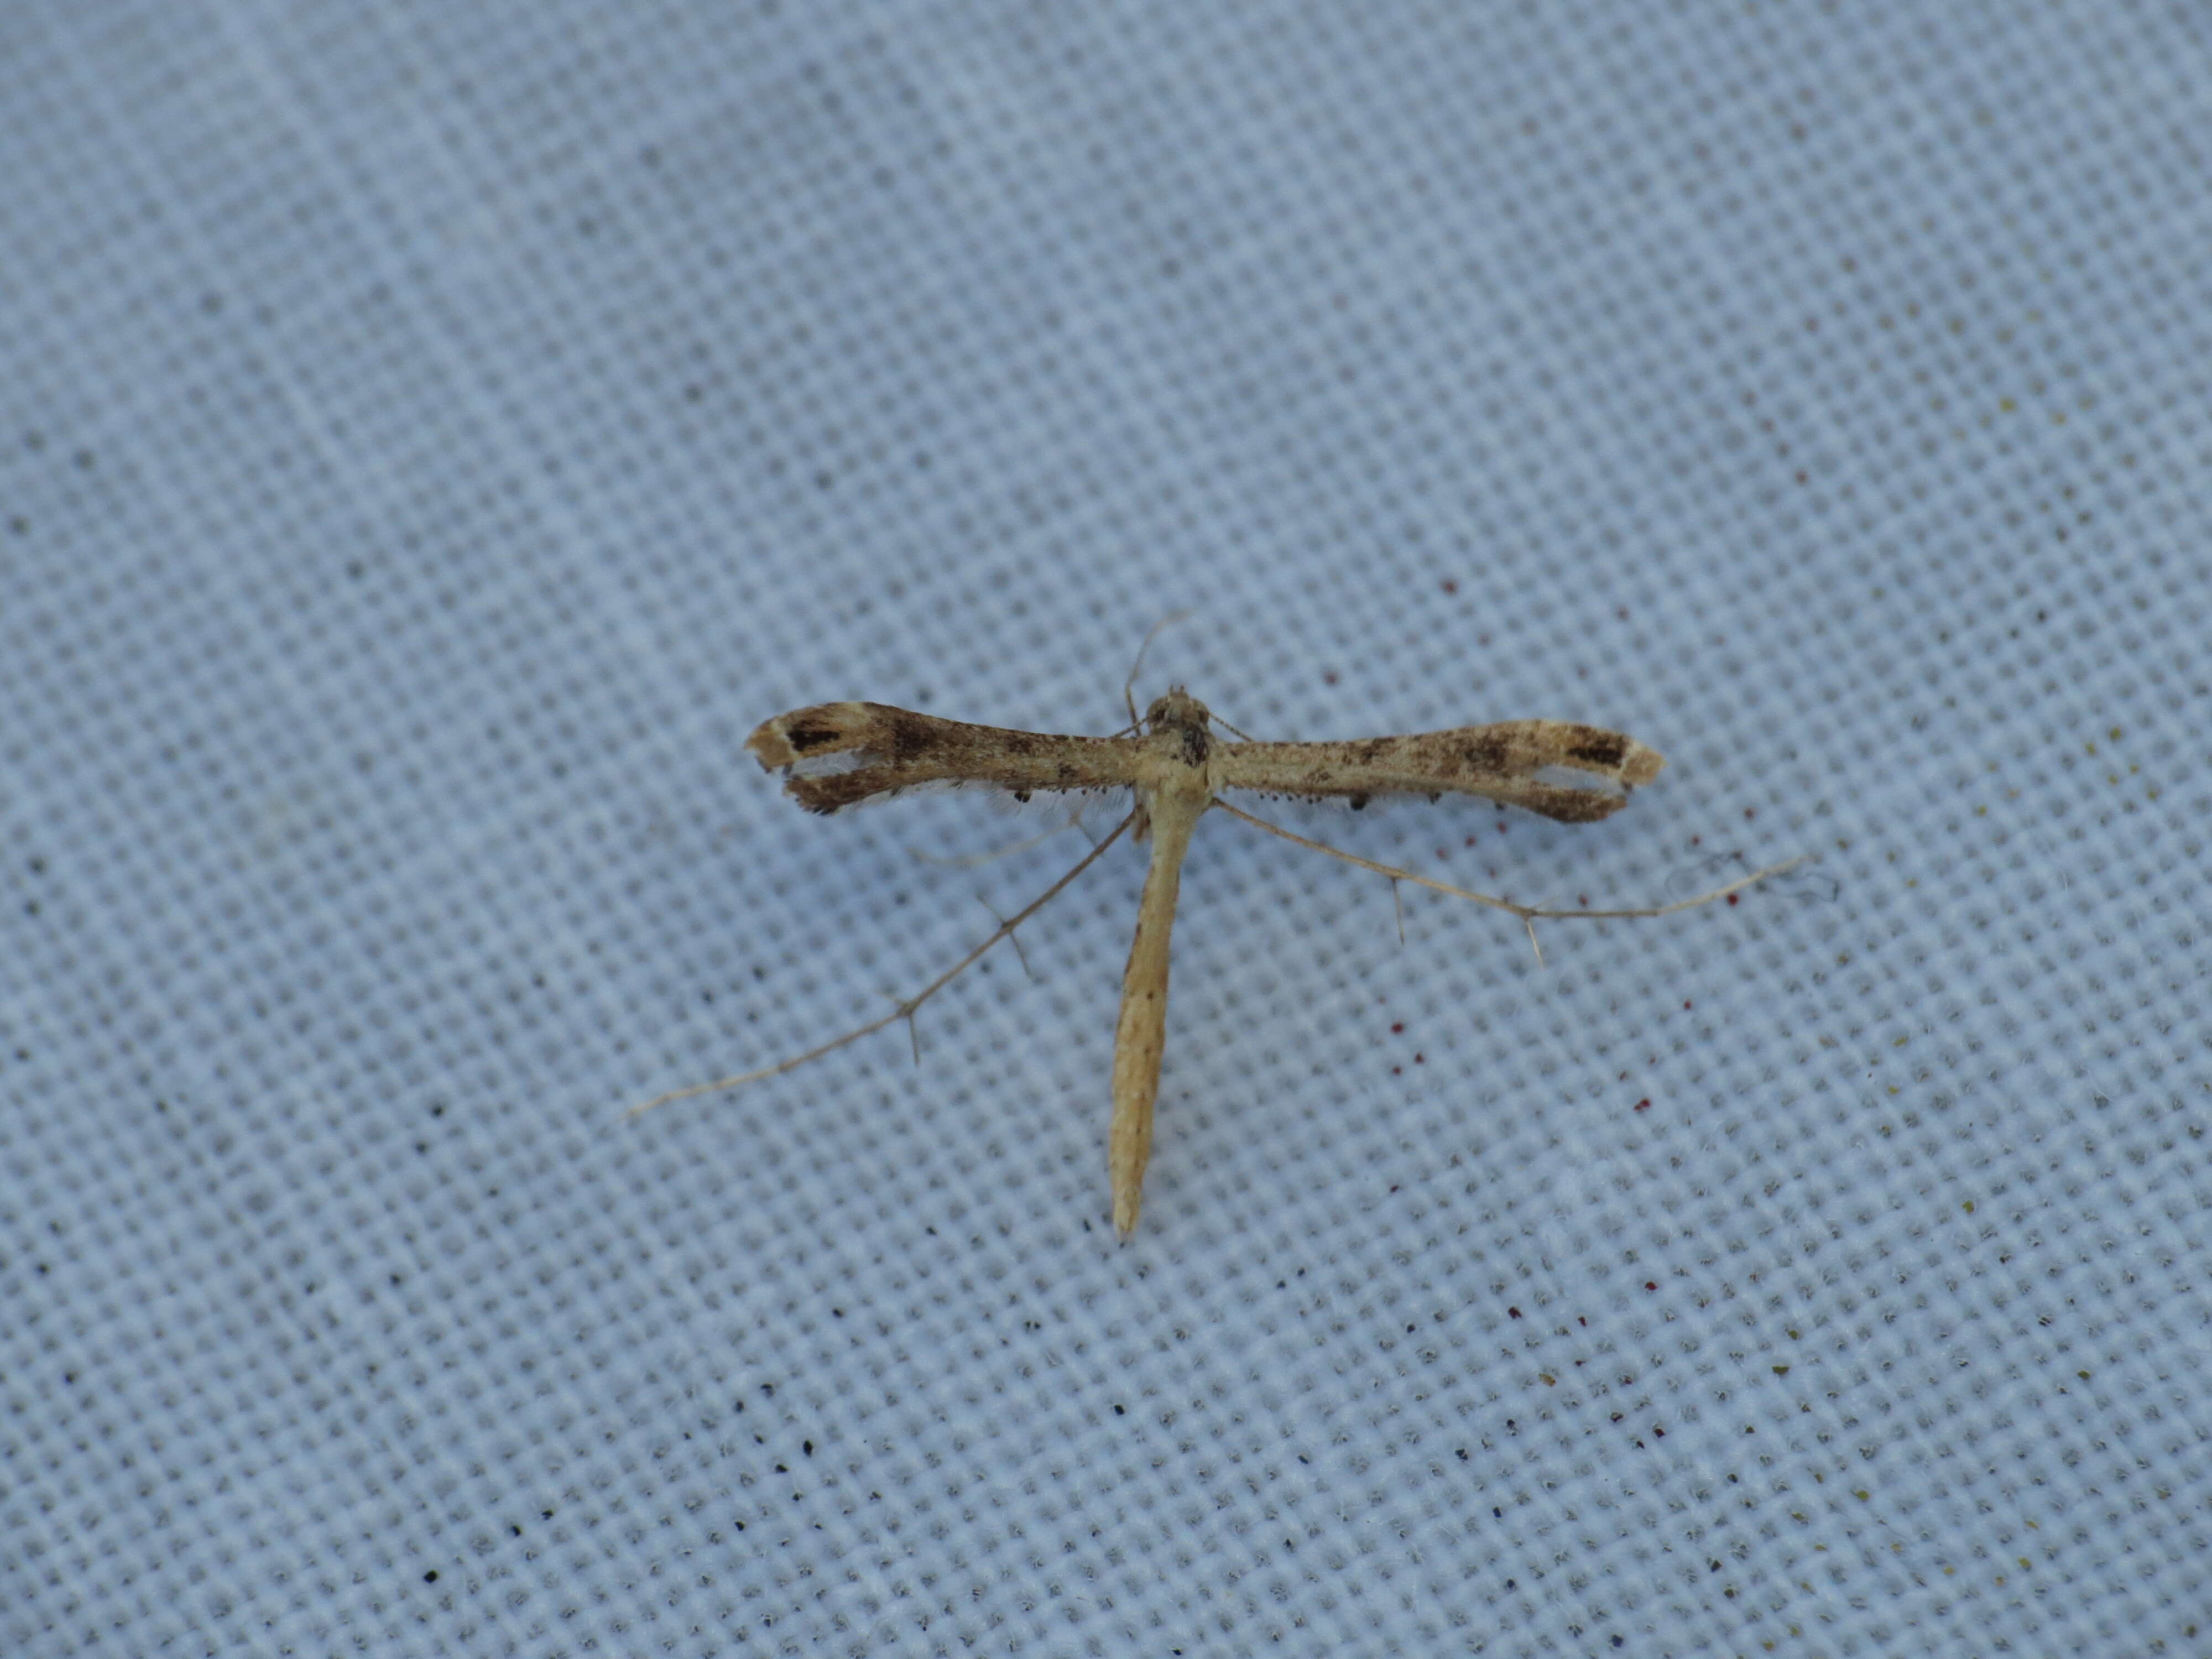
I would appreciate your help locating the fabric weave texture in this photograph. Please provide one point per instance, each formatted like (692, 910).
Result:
(436, 436)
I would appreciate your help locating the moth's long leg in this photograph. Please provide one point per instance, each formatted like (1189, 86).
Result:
(905, 1010)
(976, 860)
(1529, 913)
(1140, 1033)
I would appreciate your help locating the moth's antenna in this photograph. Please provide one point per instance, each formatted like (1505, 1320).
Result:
(1129, 685)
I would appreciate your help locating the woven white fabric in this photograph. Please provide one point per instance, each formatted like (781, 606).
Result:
(434, 439)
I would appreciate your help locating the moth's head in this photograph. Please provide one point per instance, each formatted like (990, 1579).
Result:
(1177, 710)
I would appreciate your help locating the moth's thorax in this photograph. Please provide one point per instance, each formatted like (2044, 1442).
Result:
(1176, 756)
(1175, 730)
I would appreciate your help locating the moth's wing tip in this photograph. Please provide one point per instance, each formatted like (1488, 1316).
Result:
(768, 744)
(1640, 764)
(826, 728)
(1566, 804)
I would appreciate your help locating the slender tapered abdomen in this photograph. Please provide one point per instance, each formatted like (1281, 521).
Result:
(1139, 1037)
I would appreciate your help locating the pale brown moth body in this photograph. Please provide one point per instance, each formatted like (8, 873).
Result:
(1175, 769)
